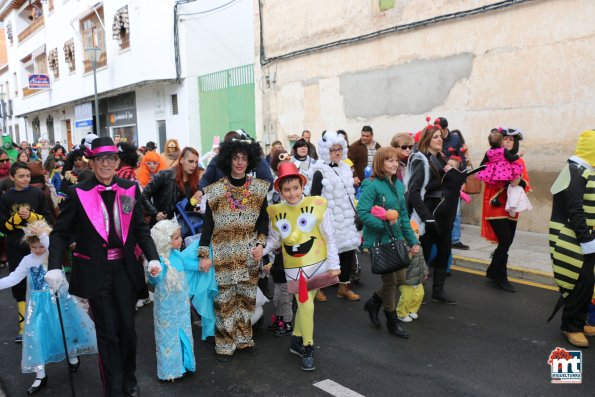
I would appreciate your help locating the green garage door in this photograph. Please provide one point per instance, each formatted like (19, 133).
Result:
(226, 102)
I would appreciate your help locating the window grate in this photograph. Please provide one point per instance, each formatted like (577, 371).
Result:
(174, 104)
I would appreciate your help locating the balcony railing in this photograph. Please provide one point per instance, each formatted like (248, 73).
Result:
(29, 30)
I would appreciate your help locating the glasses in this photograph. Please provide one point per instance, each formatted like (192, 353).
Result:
(4, 160)
(172, 147)
(111, 160)
(153, 163)
(336, 150)
(406, 147)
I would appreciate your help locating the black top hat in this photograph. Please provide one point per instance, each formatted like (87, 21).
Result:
(101, 146)
(151, 145)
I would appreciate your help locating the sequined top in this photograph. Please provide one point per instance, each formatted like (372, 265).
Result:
(32, 264)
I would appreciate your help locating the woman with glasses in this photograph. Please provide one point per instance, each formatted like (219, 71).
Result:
(332, 179)
(433, 188)
(171, 154)
(150, 165)
(403, 142)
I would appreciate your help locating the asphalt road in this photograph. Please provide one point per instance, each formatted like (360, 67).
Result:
(492, 343)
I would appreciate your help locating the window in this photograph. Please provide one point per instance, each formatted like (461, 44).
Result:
(36, 129)
(93, 36)
(53, 63)
(49, 123)
(41, 64)
(386, 4)
(29, 20)
(174, 104)
(69, 55)
(121, 27)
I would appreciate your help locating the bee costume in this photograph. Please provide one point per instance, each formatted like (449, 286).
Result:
(572, 234)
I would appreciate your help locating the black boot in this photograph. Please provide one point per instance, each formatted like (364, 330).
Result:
(393, 324)
(438, 293)
(372, 306)
(34, 389)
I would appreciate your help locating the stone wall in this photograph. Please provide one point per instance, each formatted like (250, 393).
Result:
(528, 66)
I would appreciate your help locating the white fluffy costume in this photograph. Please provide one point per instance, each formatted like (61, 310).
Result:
(337, 189)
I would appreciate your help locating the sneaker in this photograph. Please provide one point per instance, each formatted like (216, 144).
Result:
(283, 329)
(297, 345)
(460, 246)
(414, 316)
(18, 338)
(274, 323)
(308, 358)
(405, 319)
(142, 302)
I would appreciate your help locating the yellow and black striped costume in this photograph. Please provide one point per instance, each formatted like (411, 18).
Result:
(572, 223)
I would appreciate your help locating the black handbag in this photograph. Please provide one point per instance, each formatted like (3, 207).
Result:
(389, 257)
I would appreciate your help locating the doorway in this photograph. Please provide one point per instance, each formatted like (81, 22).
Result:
(161, 130)
(68, 134)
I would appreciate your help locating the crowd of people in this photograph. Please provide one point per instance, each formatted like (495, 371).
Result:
(99, 226)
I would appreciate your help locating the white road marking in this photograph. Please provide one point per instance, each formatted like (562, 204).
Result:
(335, 389)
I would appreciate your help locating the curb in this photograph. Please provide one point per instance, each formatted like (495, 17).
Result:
(513, 271)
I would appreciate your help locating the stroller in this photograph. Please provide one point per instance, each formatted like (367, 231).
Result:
(190, 222)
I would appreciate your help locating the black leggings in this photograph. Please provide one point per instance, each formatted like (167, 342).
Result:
(576, 305)
(443, 247)
(504, 230)
(347, 260)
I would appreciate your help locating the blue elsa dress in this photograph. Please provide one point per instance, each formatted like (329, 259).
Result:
(177, 286)
(42, 339)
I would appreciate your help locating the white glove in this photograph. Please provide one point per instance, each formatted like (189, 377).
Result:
(154, 268)
(55, 278)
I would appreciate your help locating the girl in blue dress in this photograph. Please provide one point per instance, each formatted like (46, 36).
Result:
(42, 339)
(177, 286)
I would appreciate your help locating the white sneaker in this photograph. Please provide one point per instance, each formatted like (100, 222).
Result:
(140, 303)
(414, 316)
(405, 319)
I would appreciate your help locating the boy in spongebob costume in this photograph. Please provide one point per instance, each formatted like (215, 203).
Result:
(303, 227)
(572, 239)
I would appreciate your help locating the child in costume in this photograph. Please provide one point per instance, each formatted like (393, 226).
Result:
(412, 289)
(502, 167)
(302, 226)
(179, 283)
(42, 340)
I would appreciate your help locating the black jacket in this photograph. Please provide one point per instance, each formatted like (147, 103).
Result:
(162, 194)
(89, 258)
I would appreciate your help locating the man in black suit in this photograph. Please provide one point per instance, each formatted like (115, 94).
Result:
(105, 215)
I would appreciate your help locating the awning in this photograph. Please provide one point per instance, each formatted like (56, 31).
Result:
(38, 52)
(9, 6)
(87, 12)
(121, 23)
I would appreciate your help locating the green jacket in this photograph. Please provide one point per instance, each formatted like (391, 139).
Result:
(381, 193)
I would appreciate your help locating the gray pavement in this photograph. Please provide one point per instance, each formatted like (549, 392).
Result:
(528, 258)
(492, 343)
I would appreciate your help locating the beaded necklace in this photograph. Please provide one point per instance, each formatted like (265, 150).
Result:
(235, 203)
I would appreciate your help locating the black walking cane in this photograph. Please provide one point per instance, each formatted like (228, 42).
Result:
(65, 345)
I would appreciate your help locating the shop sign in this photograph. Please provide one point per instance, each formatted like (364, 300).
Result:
(122, 117)
(39, 81)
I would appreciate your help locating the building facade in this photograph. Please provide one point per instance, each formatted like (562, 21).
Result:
(389, 64)
(151, 55)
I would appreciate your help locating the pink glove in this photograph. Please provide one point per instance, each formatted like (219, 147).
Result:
(378, 212)
(465, 197)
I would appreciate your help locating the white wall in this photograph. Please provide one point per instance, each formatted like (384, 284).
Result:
(217, 40)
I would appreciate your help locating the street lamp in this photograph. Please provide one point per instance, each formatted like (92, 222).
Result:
(93, 54)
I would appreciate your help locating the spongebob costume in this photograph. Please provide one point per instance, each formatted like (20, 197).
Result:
(306, 234)
(572, 237)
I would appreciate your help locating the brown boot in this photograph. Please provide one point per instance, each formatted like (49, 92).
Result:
(577, 338)
(320, 296)
(589, 330)
(345, 293)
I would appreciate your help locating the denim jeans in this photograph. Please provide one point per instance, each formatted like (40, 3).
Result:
(456, 227)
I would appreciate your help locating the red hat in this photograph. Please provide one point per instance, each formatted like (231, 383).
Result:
(285, 170)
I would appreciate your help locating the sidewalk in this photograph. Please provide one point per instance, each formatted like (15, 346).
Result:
(528, 258)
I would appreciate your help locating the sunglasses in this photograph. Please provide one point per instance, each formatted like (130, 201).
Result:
(406, 147)
(172, 147)
(4, 160)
